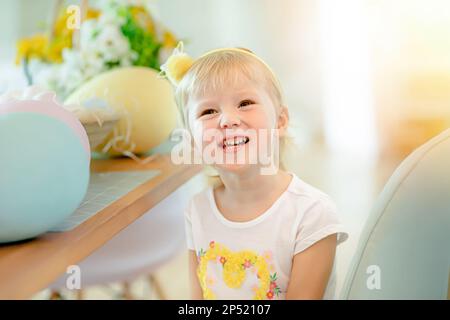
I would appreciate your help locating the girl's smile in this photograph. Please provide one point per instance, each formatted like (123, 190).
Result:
(232, 144)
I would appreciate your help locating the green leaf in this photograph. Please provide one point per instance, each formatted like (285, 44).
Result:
(143, 43)
(95, 33)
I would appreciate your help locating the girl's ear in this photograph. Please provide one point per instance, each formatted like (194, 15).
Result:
(283, 120)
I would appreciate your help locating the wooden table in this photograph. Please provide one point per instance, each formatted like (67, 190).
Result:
(30, 266)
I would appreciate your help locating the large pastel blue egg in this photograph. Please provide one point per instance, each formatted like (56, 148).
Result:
(44, 174)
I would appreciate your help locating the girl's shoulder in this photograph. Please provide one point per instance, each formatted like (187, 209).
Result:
(303, 191)
(200, 201)
(316, 215)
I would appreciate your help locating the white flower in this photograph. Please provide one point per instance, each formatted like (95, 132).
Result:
(104, 4)
(105, 38)
(111, 43)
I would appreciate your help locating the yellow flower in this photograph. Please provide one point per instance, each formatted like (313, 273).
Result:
(92, 14)
(175, 68)
(55, 49)
(169, 40)
(143, 19)
(33, 47)
(60, 29)
(39, 46)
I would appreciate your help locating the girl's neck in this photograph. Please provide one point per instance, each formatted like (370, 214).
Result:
(252, 186)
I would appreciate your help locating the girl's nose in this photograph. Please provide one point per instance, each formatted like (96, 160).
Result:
(229, 120)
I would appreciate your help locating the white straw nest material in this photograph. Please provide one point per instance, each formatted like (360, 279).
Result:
(99, 120)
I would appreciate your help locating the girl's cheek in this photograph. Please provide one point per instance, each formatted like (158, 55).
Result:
(197, 136)
(198, 133)
(264, 123)
(261, 119)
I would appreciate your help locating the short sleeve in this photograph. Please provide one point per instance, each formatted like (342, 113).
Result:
(188, 227)
(318, 222)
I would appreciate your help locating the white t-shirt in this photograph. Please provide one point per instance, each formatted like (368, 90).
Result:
(253, 259)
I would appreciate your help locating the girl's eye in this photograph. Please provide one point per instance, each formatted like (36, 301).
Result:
(246, 103)
(207, 111)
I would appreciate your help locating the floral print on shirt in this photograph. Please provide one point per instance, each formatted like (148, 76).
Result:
(234, 270)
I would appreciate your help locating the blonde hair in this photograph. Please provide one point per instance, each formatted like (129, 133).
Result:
(215, 68)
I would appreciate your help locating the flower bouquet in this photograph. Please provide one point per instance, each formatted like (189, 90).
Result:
(112, 34)
(115, 33)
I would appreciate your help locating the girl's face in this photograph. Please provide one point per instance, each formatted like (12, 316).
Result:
(229, 123)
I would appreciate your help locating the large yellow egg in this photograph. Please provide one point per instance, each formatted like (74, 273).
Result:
(145, 101)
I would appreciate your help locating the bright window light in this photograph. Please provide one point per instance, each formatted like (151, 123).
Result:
(349, 117)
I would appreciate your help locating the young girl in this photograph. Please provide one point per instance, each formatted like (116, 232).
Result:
(254, 235)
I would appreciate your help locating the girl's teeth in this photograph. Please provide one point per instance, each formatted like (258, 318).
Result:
(235, 141)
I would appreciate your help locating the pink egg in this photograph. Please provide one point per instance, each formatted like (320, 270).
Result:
(48, 106)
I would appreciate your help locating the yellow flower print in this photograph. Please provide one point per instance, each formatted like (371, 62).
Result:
(267, 255)
(210, 281)
(234, 269)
